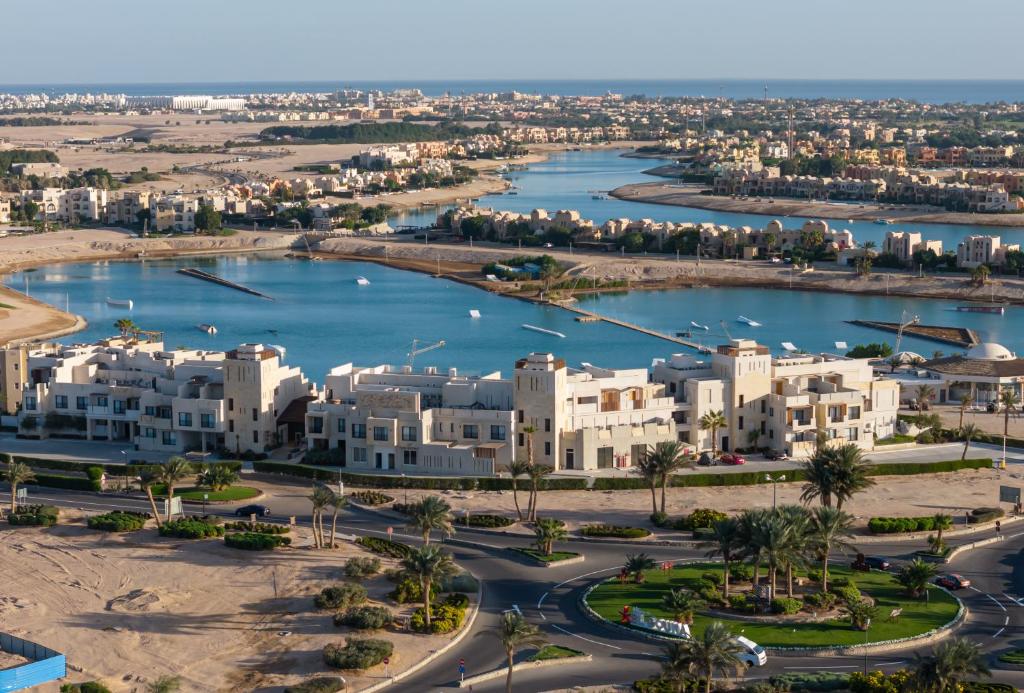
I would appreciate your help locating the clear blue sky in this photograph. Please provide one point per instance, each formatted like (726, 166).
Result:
(70, 41)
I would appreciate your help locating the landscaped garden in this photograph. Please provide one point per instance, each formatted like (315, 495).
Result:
(196, 493)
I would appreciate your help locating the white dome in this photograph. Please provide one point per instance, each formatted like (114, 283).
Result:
(990, 351)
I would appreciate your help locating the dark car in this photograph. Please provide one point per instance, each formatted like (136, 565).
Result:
(706, 460)
(776, 455)
(732, 458)
(877, 563)
(258, 510)
(952, 581)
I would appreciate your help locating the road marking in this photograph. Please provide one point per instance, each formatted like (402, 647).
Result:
(575, 635)
(1013, 599)
(998, 603)
(890, 664)
(1006, 621)
(998, 632)
(851, 666)
(972, 587)
(542, 598)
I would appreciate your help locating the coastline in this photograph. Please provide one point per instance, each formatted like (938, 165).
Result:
(677, 195)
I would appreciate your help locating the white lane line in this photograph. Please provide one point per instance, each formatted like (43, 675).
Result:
(890, 664)
(1013, 599)
(998, 632)
(851, 666)
(543, 616)
(998, 603)
(575, 635)
(974, 589)
(542, 598)
(1006, 621)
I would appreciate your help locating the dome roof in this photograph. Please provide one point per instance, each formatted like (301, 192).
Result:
(990, 351)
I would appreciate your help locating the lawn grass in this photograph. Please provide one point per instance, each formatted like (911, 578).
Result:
(895, 440)
(554, 652)
(194, 493)
(538, 555)
(918, 617)
(1012, 657)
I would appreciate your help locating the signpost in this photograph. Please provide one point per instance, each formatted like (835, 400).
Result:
(206, 497)
(391, 530)
(387, 660)
(462, 670)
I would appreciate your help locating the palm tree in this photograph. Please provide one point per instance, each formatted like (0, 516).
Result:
(681, 603)
(860, 611)
(169, 474)
(947, 666)
(749, 538)
(967, 432)
(647, 467)
(337, 502)
(979, 275)
(724, 542)
(965, 401)
(924, 394)
(895, 361)
(320, 498)
(775, 540)
(830, 529)
(915, 576)
(428, 564)
(217, 477)
(941, 522)
(535, 474)
(429, 514)
(668, 457)
(516, 633)
(549, 530)
(637, 565)
(1009, 400)
(820, 477)
(125, 326)
(516, 469)
(147, 477)
(850, 472)
(18, 473)
(799, 542)
(701, 657)
(712, 421)
(529, 431)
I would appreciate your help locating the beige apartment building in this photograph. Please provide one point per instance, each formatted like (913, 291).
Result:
(903, 244)
(982, 250)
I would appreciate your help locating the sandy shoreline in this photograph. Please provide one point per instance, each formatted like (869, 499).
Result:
(689, 196)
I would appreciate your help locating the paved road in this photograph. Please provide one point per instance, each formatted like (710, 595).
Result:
(548, 597)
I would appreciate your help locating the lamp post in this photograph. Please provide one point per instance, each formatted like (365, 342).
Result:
(405, 487)
(867, 625)
(125, 453)
(774, 479)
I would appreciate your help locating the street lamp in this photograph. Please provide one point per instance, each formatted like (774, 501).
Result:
(125, 453)
(774, 479)
(406, 489)
(867, 625)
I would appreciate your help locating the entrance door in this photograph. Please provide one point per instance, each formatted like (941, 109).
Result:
(725, 443)
(379, 459)
(391, 460)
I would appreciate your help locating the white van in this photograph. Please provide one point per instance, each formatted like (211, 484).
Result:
(753, 655)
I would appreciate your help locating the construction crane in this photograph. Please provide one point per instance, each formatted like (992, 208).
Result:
(904, 323)
(414, 351)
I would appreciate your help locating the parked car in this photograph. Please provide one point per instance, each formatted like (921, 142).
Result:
(706, 460)
(776, 455)
(732, 458)
(752, 654)
(952, 581)
(258, 510)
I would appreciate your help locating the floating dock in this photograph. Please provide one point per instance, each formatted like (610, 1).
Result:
(957, 336)
(206, 276)
(587, 316)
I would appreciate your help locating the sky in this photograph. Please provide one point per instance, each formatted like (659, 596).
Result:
(111, 41)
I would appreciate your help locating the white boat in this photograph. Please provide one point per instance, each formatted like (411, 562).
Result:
(362, 281)
(534, 328)
(747, 321)
(474, 313)
(120, 303)
(883, 222)
(698, 326)
(207, 328)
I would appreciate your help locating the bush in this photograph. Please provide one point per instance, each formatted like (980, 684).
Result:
(741, 572)
(848, 593)
(254, 541)
(444, 618)
(385, 547)
(319, 684)
(357, 653)
(710, 594)
(617, 531)
(258, 527)
(821, 600)
(360, 567)
(490, 521)
(896, 525)
(370, 497)
(702, 518)
(408, 590)
(118, 521)
(364, 617)
(740, 602)
(812, 682)
(342, 596)
(714, 579)
(703, 534)
(34, 516)
(86, 687)
(659, 519)
(979, 515)
(190, 528)
(787, 606)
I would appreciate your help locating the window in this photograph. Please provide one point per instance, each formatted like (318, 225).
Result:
(101, 401)
(133, 404)
(358, 454)
(409, 434)
(30, 403)
(150, 411)
(231, 425)
(149, 433)
(184, 418)
(256, 436)
(163, 412)
(341, 425)
(854, 412)
(60, 401)
(168, 438)
(316, 424)
(119, 406)
(547, 447)
(519, 416)
(409, 457)
(547, 425)
(741, 423)
(742, 398)
(255, 414)
(81, 403)
(358, 430)
(605, 458)
(380, 433)
(852, 433)
(470, 431)
(206, 421)
(762, 406)
(497, 433)
(231, 403)
(522, 440)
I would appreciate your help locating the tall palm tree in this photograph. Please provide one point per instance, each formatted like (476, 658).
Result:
(948, 664)
(725, 541)
(516, 469)
(427, 565)
(923, 395)
(18, 473)
(681, 603)
(774, 538)
(714, 651)
(637, 565)
(668, 457)
(647, 467)
(851, 472)
(516, 633)
(172, 472)
(337, 502)
(535, 474)
(830, 529)
(748, 529)
(941, 522)
(819, 474)
(965, 401)
(549, 530)
(125, 326)
(967, 432)
(320, 498)
(712, 421)
(1009, 401)
(798, 541)
(915, 576)
(431, 513)
(147, 477)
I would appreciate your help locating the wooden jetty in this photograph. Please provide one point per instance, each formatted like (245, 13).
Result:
(957, 336)
(587, 316)
(213, 278)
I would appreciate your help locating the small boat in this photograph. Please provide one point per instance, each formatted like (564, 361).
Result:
(120, 303)
(698, 326)
(207, 328)
(534, 328)
(883, 222)
(511, 192)
(994, 308)
(362, 281)
(474, 313)
(747, 321)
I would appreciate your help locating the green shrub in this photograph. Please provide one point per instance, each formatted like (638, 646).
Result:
(710, 594)
(659, 519)
(812, 682)
(94, 473)
(343, 596)
(385, 547)
(191, 528)
(257, 527)
(895, 525)
(617, 531)
(86, 687)
(741, 572)
(118, 521)
(254, 541)
(408, 590)
(714, 579)
(319, 684)
(457, 599)
(787, 606)
(370, 497)
(820, 600)
(490, 521)
(703, 517)
(362, 566)
(703, 534)
(364, 617)
(847, 593)
(444, 618)
(357, 653)
(979, 515)
(740, 602)
(34, 516)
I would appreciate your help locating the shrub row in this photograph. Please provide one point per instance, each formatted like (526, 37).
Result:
(370, 497)
(133, 469)
(85, 687)
(34, 515)
(364, 617)
(318, 684)
(191, 528)
(385, 547)
(489, 521)
(343, 596)
(254, 541)
(895, 525)
(445, 617)
(979, 515)
(617, 531)
(357, 653)
(119, 521)
(258, 527)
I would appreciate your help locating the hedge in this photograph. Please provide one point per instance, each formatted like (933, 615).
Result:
(364, 617)
(110, 468)
(357, 653)
(371, 497)
(118, 521)
(74, 483)
(979, 515)
(254, 541)
(258, 527)
(189, 528)
(617, 531)
(896, 525)
(488, 521)
(385, 547)
(34, 516)
(86, 687)
(319, 684)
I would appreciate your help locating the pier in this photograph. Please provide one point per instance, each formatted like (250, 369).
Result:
(206, 276)
(587, 316)
(957, 336)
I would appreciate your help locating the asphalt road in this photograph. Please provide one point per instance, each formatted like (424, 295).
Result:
(548, 597)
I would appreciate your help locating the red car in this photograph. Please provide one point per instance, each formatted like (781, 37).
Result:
(952, 581)
(731, 458)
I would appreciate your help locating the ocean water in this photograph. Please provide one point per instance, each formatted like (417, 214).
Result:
(925, 91)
